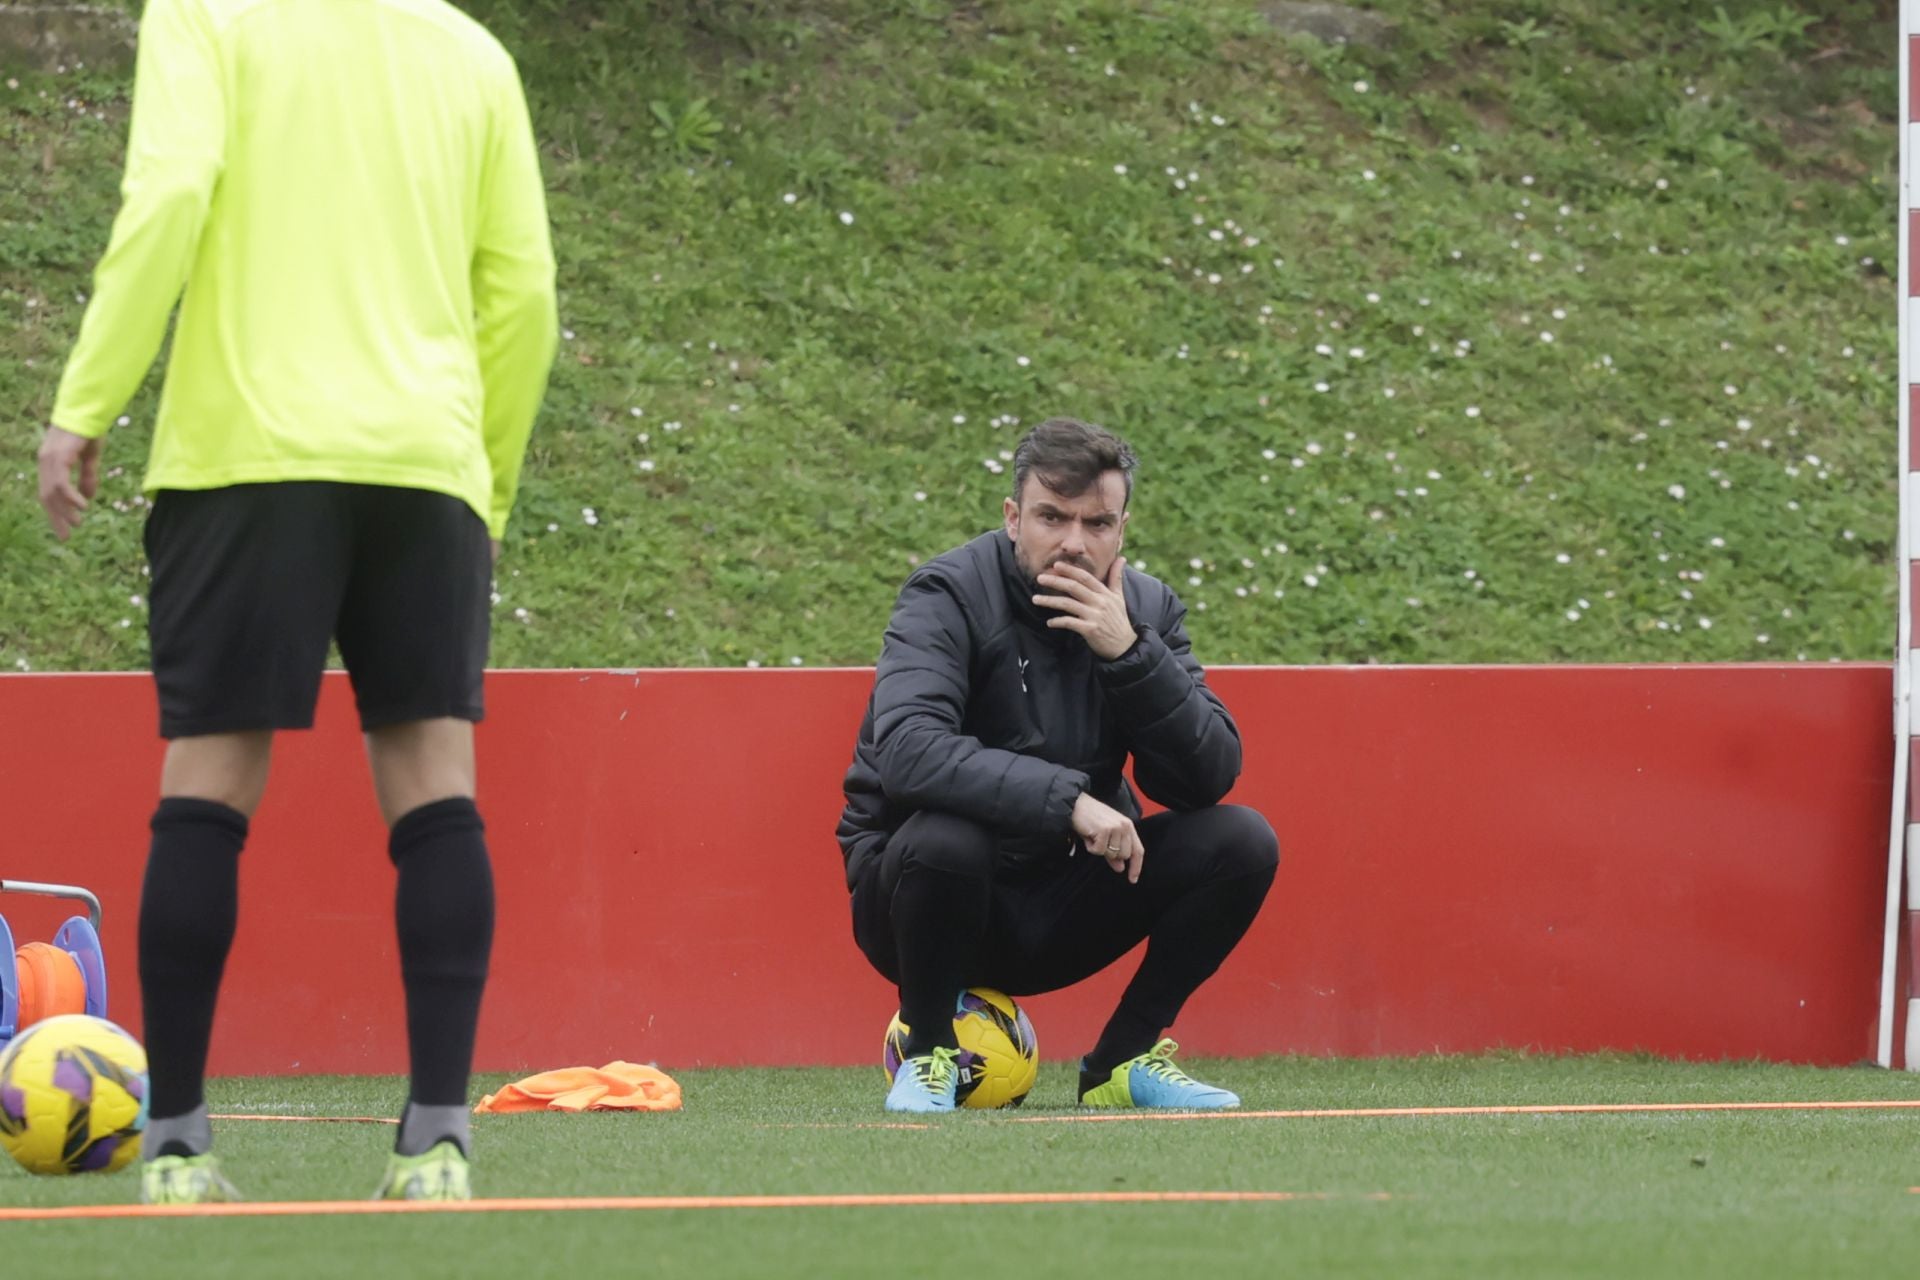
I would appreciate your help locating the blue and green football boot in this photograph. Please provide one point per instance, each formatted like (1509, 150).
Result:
(1153, 1081)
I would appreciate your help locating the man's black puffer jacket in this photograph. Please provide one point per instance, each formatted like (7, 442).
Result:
(980, 709)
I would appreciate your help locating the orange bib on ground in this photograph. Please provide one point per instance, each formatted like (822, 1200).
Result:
(618, 1086)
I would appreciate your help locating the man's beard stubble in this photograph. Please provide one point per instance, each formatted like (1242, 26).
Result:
(1032, 574)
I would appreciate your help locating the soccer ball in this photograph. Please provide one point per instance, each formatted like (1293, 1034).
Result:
(73, 1096)
(999, 1056)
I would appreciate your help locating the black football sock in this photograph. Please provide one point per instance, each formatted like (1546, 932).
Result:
(189, 903)
(938, 919)
(443, 910)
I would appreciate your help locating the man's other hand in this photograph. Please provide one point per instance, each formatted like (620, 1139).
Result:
(63, 500)
(1110, 834)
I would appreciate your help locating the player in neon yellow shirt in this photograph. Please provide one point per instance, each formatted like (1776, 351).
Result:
(350, 195)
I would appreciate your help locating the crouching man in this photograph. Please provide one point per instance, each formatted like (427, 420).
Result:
(990, 837)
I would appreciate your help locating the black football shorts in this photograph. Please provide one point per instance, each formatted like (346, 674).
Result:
(251, 582)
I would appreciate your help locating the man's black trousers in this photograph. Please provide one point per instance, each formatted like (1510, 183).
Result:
(944, 908)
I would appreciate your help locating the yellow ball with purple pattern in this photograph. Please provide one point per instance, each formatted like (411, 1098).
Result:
(999, 1055)
(73, 1096)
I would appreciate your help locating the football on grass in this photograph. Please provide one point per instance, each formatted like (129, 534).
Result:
(999, 1056)
(73, 1096)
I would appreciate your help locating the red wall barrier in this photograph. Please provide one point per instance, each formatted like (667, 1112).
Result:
(1685, 860)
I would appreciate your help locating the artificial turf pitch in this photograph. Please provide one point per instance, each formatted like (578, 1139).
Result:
(800, 1173)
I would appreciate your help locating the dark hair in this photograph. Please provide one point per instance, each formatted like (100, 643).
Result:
(1070, 456)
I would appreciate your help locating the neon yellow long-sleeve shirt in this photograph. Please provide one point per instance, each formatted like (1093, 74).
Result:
(350, 192)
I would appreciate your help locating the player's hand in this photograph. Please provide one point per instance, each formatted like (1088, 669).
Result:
(1096, 609)
(63, 500)
(1110, 834)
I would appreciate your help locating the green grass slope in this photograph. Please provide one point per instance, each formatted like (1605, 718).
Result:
(1552, 332)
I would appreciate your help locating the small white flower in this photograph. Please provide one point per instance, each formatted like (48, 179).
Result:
(1120, 169)
(1731, 390)
(646, 464)
(1677, 492)
(1360, 86)
(1706, 624)
(1573, 615)
(1473, 411)
(1367, 174)
(1563, 558)
(1545, 336)
(846, 219)
(919, 495)
(789, 198)
(1321, 386)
